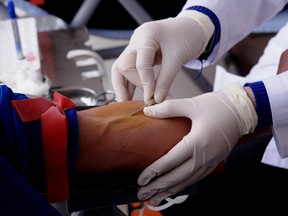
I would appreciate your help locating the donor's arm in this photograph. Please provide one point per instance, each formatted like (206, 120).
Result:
(113, 141)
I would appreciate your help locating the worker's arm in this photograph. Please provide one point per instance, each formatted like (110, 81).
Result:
(267, 130)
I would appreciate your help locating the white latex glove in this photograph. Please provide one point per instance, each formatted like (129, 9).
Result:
(170, 42)
(219, 119)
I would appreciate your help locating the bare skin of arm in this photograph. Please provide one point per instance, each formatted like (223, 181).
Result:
(111, 140)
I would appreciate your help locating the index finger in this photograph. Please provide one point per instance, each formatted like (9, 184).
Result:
(145, 67)
(124, 76)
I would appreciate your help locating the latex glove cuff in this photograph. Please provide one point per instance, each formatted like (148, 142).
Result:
(244, 106)
(205, 24)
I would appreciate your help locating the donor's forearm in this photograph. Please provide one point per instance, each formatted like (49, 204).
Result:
(113, 141)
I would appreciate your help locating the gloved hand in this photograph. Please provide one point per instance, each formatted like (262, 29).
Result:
(170, 42)
(219, 119)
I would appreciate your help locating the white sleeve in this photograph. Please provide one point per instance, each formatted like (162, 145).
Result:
(277, 90)
(237, 20)
(268, 63)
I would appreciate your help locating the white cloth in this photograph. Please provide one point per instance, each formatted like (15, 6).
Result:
(271, 156)
(26, 78)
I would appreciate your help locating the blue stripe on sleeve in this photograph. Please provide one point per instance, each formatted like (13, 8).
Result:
(263, 108)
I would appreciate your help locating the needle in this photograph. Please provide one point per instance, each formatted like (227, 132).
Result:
(138, 111)
(148, 103)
